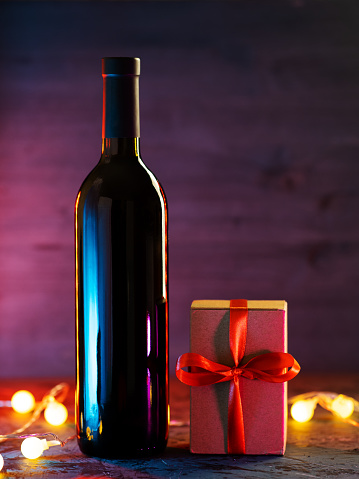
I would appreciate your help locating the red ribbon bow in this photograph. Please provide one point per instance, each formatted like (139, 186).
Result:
(269, 367)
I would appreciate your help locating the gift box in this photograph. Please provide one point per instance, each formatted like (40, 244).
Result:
(238, 367)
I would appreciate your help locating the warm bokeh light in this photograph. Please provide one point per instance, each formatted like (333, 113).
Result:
(32, 447)
(303, 411)
(1, 462)
(343, 406)
(23, 401)
(55, 413)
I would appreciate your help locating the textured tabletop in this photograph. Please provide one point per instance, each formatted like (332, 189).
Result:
(324, 447)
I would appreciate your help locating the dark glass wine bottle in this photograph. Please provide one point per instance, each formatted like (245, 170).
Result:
(121, 286)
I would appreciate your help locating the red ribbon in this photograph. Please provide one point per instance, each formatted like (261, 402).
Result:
(269, 367)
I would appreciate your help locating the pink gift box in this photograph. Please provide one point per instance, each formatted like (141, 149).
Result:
(264, 404)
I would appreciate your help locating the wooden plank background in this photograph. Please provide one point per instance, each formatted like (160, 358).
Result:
(249, 118)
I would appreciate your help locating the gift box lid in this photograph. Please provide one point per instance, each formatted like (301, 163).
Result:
(252, 305)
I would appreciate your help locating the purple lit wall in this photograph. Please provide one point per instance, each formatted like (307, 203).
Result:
(249, 118)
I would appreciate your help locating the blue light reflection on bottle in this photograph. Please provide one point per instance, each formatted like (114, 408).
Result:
(97, 306)
(91, 313)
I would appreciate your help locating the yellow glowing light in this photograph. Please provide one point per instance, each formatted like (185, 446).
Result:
(303, 411)
(343, 406)
(23, 401)
(33, 447)
(55, 413)
(1, 462)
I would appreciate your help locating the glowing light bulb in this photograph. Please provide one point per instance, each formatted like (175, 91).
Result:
(55, 413)
(343, 406)
(33, 447)
(1, 462)
(23, 401)
(303, 411)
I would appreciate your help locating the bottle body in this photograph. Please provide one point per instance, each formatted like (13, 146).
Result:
(121, 307)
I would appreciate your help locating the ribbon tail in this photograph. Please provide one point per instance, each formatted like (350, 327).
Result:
(235, 438)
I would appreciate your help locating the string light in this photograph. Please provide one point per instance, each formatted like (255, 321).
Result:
(55, 413)
(303, 410)
(33, 447)
(23, 401)
(341, 406)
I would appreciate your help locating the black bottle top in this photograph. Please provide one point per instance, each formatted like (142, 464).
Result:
(120, 66)
(121, 115)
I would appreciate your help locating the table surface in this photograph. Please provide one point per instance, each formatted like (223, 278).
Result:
(324, 447)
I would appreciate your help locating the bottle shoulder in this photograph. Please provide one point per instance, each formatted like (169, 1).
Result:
(122, 180)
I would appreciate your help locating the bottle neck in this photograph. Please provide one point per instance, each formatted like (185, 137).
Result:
(120, 148)
(121, 112)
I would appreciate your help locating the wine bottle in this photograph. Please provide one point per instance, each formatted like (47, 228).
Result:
(121, 286)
